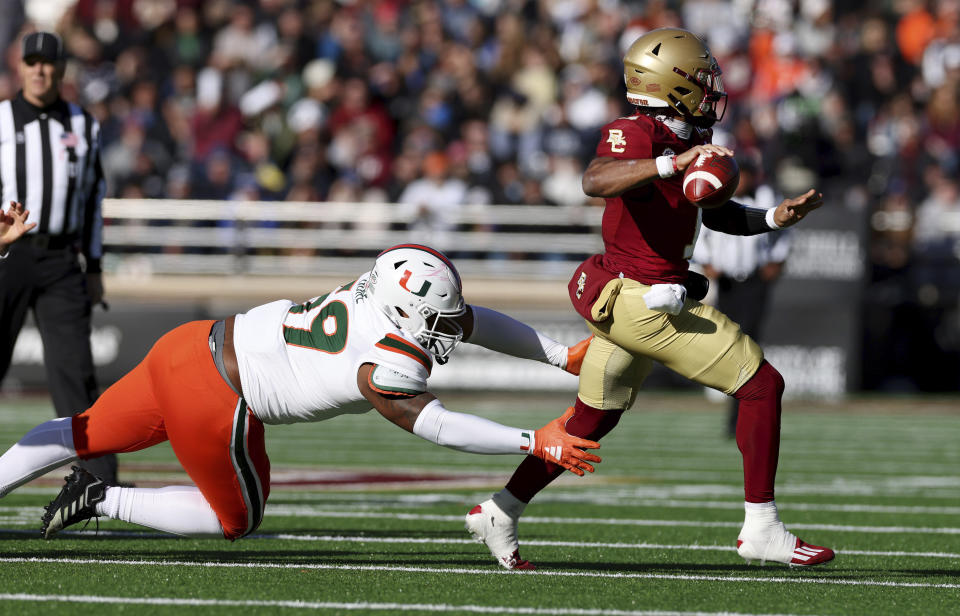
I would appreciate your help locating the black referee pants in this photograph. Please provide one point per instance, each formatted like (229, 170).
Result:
(745, 302)
(51, 283)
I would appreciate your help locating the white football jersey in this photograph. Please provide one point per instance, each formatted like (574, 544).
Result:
(299, 362)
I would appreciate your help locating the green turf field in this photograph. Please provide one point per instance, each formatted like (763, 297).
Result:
(365, 518)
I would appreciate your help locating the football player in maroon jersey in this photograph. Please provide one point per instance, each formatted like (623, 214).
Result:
(633, 299)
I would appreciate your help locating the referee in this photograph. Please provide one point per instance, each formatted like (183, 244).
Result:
(50, 163)
(744, 268)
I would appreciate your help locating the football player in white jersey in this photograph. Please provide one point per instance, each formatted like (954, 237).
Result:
(210, 386)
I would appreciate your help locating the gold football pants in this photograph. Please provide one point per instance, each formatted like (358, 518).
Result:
(700, 343)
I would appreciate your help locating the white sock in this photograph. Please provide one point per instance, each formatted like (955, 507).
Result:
(181, 510)
(510, 504)
(498, 332)
(41, 450)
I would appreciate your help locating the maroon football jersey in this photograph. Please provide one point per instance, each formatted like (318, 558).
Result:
(649, 232)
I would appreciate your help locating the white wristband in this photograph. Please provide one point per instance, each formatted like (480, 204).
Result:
(666, 166)
(770, 220)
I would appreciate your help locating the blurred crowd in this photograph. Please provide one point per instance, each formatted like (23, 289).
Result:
(435, 104)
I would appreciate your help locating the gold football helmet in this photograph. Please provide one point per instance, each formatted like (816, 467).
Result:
(670, 67)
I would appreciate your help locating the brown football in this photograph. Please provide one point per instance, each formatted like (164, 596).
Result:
(710, 181)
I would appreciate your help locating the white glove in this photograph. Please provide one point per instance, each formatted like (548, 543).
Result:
(666, 298)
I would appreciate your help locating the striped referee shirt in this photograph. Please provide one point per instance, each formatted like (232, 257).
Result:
(50, 162)
(740, 256)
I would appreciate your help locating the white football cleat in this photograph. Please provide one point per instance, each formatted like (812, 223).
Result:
(491, 525)
(775, 543)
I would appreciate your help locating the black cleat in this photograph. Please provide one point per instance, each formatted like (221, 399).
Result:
(76, 502)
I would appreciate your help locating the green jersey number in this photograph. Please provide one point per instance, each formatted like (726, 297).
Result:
(326, 331)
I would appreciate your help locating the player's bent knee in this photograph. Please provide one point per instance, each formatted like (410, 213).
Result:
(779, 382)
(237, 526)
(234, 532)
(766, 381)
(592, 423)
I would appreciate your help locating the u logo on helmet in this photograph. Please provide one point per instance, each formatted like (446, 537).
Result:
(423, 288)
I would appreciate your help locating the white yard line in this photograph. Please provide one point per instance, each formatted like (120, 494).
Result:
(738, 505)
(353, 568)
(364, 606)
(679, 497)
(378, 502)
(585, 544)
(308, 511)
(605, 485)
(452, 541)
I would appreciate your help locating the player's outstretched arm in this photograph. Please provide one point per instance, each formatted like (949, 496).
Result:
(502, 333)
(426, 417)
(792, 211)
(738, 219)
(13, 225)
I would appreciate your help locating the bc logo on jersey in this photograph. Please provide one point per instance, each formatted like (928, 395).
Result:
(616, 140)
(581, 284)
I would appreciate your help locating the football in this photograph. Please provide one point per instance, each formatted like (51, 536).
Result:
(711, 180)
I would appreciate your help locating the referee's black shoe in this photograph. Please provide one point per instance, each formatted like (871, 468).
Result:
(76, 502)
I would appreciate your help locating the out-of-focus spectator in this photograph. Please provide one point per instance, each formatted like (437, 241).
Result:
(242, 42)
(215, 123)
(178, 183)
(189, 47)
(269, 180)
(938, 214)
(309, 175)
(216, 180)
(915, 29)
(562, 184)
(431, 202)
(13, 20)
(358, 124)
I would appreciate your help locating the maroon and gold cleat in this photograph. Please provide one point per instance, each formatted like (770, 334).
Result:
(491, 526)
(803, 554)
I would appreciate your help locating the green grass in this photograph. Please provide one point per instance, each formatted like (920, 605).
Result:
(652, 532)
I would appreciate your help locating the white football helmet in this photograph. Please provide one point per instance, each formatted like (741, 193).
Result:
(419, 289)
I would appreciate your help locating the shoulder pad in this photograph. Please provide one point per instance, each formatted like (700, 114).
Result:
(388, 381)
(395, 343)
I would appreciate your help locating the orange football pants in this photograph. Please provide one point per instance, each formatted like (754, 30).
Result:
(177, 394)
